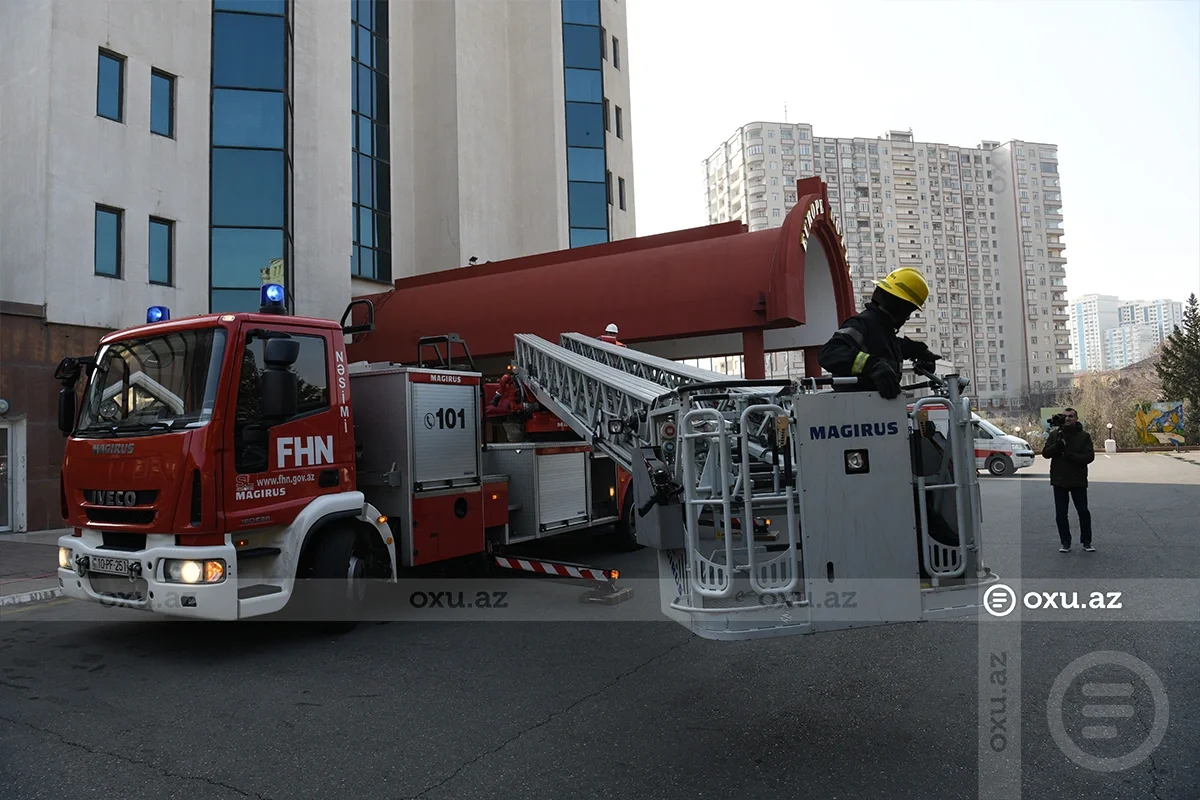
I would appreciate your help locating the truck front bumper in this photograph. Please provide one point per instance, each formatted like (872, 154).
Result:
(140, 579)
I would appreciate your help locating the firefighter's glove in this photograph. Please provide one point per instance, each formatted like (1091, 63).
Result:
(925, 359)
(886, 381)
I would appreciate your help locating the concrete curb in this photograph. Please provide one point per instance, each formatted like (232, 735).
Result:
(35, 596)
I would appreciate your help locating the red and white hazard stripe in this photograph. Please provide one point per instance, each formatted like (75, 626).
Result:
(548, 568)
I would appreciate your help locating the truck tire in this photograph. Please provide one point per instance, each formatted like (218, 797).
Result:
(338, 583)
(1000, 466)
(625, 530)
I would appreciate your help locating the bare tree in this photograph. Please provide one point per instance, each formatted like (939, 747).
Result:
(1115, 396)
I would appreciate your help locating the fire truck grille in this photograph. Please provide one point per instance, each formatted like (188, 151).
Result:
(121, 516)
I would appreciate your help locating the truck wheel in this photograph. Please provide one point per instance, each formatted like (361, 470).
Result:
(1000, 466)
(625, 530)
(337, 590)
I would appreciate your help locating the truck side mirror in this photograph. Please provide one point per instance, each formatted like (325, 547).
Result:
(67, 408)
(281, 352)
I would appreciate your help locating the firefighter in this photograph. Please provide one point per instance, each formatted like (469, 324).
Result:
(867, 345)
(610, 335)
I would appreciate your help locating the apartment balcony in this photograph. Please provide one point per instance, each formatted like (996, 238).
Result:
(909, 245)
(1059, 301)
(756, 174)
(758, 204)
(907, 200)
(899, 156)
(1060, 316)
(757, 158)
(905, 215)
(1054, 213)
(904, 172)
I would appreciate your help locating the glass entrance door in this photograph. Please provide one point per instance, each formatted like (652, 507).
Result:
(6, 479)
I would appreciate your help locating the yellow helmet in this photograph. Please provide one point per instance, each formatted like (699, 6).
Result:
(907, 284)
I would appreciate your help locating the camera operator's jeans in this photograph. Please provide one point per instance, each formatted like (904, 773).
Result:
(1062, 497)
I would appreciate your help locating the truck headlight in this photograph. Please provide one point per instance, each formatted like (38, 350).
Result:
(64, 558)
(179, 571)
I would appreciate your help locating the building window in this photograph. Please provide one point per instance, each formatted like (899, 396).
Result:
(162, 104)
(621, 192)
(110, 86)
(589, 182)
(616, 59)
(108, 249)
(371, 146)
(162, 251)
(251, 160)
(620, 124)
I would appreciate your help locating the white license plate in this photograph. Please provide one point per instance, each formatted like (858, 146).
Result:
(113, 566)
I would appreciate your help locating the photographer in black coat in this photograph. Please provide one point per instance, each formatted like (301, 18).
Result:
(1070, 450)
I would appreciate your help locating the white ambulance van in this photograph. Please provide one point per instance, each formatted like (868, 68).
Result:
(997, 452)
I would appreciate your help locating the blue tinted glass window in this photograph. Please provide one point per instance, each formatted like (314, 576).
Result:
(248, 52)
(383, 186)
(247, 188)
(363, 140)
(585, 164)
(382, 139)
(162, 104)
(366, 181)
(381, 55)
(582, 237)
(239, 255)
(366, 235)
(364, 12)
(110, 85)
(585, 125)
(231, 301)
(362, 45)
(583, 12)
(584, 85)
(588, 205)
(365, 90)
(581, 47)
(247, 119)
(108, 242)
(257, 6)
(383, 232)
(162, 254)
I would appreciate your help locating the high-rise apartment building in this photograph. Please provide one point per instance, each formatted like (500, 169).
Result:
(984, 224)
(1128, 344)
(1089, 317)
(162, 152)
(1162, 315)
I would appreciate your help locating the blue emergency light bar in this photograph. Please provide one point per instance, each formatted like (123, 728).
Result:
(271, 299)
(157, 314)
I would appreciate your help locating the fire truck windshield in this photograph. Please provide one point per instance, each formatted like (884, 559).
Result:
(163, 382)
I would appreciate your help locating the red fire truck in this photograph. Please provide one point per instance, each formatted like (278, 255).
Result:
(218, 467)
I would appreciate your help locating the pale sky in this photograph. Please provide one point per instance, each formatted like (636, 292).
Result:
(1116, 85)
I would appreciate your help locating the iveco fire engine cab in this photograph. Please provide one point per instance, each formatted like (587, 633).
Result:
(228, 466)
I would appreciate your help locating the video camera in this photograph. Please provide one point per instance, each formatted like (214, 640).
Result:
(1057, 421)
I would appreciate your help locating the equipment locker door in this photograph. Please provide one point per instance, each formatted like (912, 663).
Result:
(562, 488)
(445, 430)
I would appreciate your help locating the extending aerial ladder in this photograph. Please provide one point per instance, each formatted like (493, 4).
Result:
(848, 491)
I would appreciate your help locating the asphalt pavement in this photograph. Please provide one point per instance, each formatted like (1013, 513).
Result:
(98, 702)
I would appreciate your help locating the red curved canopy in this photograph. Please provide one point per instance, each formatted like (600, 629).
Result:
(718, 279)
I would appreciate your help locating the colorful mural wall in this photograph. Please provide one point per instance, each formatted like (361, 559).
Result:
(1160, 423)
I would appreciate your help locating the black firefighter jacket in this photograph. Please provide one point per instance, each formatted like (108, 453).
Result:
(1070, 450)
(871, 332)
